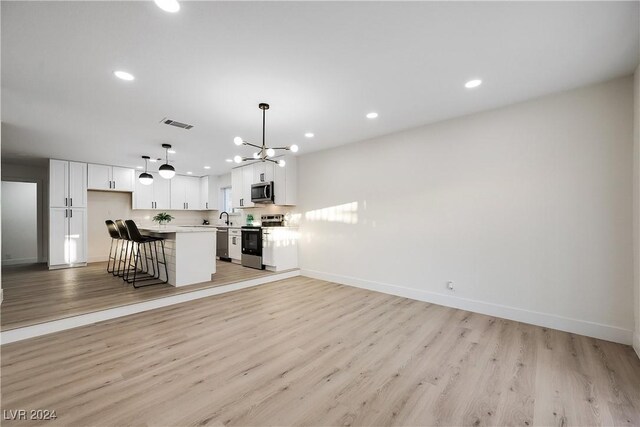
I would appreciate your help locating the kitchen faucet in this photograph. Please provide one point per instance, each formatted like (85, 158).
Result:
(225, 213)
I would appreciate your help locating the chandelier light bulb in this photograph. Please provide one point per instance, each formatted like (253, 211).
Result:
(294, 148)
(282, 163)
(237, 140)
(271, 152)
(237, 159)
(256, 155)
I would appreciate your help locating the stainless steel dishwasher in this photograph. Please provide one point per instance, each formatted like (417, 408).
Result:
(222, 245)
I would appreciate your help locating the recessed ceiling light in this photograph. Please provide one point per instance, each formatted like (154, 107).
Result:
(123, 75)
(473, 83)
(207, 167)
(372, 115)
(153, 160)
(229, 160)
(171, 151)
(189, 173)
(171, 6)
(139, 167)
(309, 135)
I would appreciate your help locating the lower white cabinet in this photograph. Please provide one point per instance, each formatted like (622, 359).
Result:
(235, 244)
(67, 237)
(280, 248)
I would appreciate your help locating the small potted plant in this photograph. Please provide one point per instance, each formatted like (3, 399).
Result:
(249, 219)
(162, 218)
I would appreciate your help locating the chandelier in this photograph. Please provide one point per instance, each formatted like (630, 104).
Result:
(265, 153)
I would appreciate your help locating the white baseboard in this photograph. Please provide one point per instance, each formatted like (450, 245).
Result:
(636, 342)
(98, 258)
(582, 327)
(19, 334)
(19, 261)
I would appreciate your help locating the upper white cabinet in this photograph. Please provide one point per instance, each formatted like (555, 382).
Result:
(209, 192)
(67, 184)
(103, 177)
(285, 183)
(263, 172)
(185, 193)
(154, 196)
(284, 180)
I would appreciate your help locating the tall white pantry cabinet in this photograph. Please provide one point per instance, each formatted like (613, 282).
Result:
(67, 213)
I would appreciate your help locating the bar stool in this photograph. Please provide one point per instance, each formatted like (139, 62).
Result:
(124, 248)
(115, 238)
(144, 243)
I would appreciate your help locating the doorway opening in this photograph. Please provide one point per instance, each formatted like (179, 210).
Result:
(20, 228)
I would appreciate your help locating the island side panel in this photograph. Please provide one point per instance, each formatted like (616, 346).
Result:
(194, 258)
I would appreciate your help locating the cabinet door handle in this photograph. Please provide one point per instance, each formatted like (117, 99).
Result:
(65, 213)
(114, 185)
(206, 204)
(65, 201)
(261, 177)
(71, 201)
(70, 213)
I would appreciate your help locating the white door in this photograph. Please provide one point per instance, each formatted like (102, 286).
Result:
(123, 178)
(99, 177)
(143, 195)
(161, 192)
(77, 185)
(178, 192)
(247, 180)
(236, 187)
(192, 192)
(77, 243)
(58, 183)
(58, 248)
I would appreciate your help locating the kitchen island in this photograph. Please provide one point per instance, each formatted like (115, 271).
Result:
(190, 251)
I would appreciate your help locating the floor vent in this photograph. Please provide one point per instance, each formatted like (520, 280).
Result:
(176, 123)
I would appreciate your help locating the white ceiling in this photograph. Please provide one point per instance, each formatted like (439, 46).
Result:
(321, 65)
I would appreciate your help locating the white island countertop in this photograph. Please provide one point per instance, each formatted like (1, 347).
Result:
(180, 229)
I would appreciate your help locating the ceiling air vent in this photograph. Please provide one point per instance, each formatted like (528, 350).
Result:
(176, 123)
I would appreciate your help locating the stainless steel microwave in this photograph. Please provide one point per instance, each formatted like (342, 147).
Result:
(262, 192)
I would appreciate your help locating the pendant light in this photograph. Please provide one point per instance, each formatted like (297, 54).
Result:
(145, 177)
(265, 152)
(167, 171)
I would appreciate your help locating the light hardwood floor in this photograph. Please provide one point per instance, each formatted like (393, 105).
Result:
(33, 294)
(307, 352)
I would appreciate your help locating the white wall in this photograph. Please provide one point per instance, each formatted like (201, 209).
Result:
(39, 175)
(636, 206)
(19, 223)
(527, 209)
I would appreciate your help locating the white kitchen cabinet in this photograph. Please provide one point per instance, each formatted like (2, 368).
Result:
(153, 196)
(241, 180)
(67, 184)
(280, 248)
(247, 181)
(185, 193)
(263, 172)
(58, 183)
(235, 245)
(114, 178)
(209, 192)
(77, 185)
(67, 237)
(286, 182)
(58, 231)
